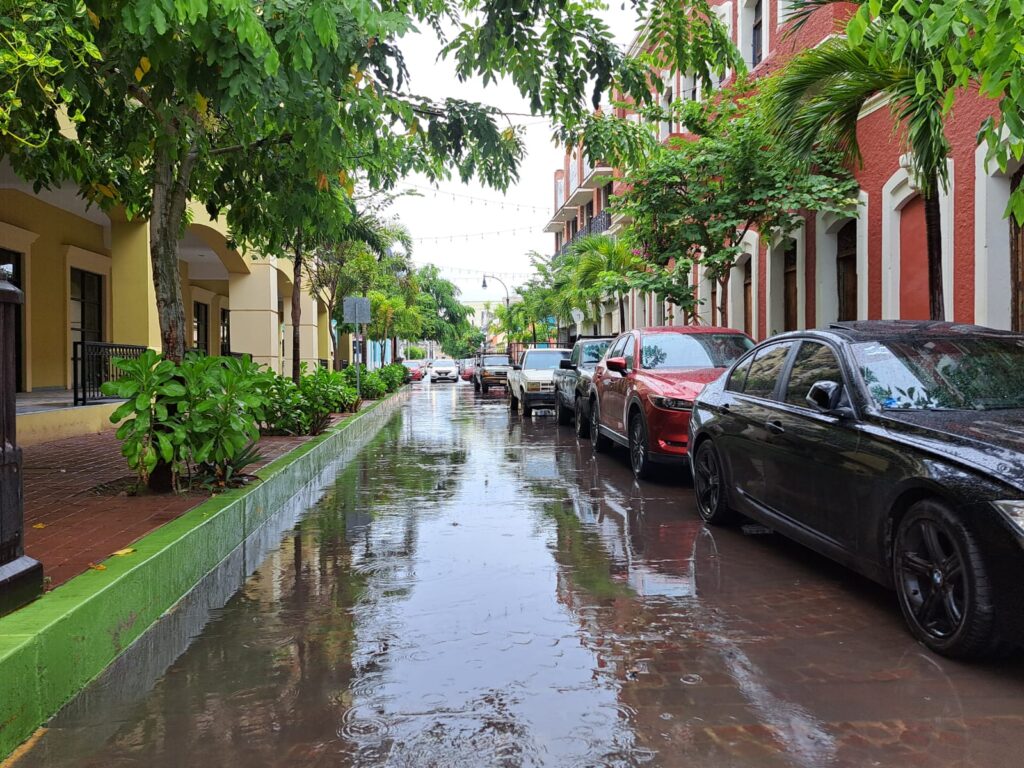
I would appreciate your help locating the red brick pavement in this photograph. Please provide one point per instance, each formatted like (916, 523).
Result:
(69, 526)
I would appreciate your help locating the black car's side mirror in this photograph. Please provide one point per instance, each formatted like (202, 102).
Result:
(566, 365)
(824, 396)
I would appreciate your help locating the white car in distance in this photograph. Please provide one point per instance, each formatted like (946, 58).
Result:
(444, 370)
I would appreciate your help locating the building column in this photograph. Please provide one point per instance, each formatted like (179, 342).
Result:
(309, 331)
(323, 335)
(254, 319)
(134, 319)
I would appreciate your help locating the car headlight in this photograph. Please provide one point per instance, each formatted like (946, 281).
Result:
(1013, 511)
(670, 403)
(533, 386)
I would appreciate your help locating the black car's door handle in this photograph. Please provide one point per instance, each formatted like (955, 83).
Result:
(775, 427)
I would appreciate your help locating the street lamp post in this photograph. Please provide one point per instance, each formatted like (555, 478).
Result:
(484, 285)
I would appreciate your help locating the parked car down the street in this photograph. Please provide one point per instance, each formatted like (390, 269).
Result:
(644, 388)
(531, 380)
(444, 370)
(491, 371)
(415, 369)
(573, 381)
(895, 448)
(466, 368)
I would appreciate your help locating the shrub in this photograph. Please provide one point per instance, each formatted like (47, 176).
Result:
(284, 410)
(374, 386)
(201, 415)
(394, 376)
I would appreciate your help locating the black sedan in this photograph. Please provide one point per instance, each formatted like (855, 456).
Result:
(893, 447)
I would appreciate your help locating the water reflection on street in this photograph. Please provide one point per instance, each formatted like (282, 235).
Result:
(475, 590)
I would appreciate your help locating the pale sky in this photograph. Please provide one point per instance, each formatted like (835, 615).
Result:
(449, 230)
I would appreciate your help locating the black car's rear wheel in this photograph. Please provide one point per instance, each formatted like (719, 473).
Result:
(709, 486)
(582, 420)
(638, 458)
(600, 443)
(942, 583)
(513, 402)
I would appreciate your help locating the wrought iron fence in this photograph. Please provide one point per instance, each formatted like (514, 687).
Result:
(92, 363)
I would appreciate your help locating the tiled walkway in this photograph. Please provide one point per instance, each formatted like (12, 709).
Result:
(69, 526)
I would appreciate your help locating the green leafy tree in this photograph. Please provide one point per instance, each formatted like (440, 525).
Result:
(695, 202)
(443, 316)
(169, 94)
(603, 267)
(41, 44)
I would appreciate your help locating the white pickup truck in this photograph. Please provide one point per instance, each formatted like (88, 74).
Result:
(531, 380)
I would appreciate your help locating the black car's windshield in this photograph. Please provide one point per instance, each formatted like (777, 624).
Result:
(592, 352)
(699, 350)
(543, 360)
(973, 374)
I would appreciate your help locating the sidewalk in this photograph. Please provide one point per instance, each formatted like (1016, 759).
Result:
(72, 522)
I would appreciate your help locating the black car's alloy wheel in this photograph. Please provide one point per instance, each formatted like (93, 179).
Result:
(709, 486)
(943, 586)
(638, 447)
(582, 421)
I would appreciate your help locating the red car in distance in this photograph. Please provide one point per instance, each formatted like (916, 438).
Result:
(466, 369)
(415, 369)
(644, 387)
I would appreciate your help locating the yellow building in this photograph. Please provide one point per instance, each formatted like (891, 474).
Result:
(87, 277)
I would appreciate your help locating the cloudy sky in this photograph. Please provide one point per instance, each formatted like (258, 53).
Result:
(467, 230)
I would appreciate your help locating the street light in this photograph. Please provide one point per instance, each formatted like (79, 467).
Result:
(484, 285)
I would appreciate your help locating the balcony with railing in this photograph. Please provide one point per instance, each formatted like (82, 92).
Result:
(595, 226)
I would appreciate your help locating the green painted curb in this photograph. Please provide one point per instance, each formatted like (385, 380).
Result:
(53, 647)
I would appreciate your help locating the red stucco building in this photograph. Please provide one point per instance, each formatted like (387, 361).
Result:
(868, 266)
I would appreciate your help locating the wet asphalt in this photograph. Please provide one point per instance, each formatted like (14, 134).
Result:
(476, 589)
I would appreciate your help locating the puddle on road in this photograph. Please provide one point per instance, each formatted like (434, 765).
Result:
(474, 590)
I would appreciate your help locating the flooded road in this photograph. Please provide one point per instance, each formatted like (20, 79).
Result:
(476, 590)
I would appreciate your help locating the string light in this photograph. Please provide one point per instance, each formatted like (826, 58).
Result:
(456, 196)
(466, 236)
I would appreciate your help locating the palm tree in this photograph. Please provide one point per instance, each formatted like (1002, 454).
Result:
(605, 261)
(326, 268)
(818, 97)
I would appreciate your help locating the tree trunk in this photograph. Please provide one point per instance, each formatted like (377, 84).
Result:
(933, 229)
(723, 307)
(336, 338)
(297, 312)
(622, 314)
(170, 195)
(394, 349)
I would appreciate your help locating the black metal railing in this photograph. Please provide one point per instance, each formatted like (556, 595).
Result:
(92, 363)
(600, 223)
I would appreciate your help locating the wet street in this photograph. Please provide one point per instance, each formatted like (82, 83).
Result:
(475, 589)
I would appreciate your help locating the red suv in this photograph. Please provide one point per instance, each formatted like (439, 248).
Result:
(645, 385)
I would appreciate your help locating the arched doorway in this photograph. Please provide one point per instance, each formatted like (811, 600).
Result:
(846, 271)
(913, 288)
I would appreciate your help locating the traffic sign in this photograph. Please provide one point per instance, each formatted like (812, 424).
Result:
(356, 309)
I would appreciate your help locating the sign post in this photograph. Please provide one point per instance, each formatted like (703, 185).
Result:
(356, 309)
